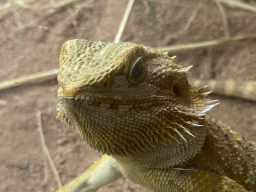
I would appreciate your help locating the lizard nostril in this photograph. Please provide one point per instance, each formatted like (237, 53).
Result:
(176, 90)
(105, 84)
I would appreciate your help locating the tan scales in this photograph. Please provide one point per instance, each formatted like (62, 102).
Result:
(135, 105)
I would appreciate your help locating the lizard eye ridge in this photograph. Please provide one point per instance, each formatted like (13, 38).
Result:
(137, 71)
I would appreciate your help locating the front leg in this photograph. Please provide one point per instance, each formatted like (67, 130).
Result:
(181, 180)
(102, 172)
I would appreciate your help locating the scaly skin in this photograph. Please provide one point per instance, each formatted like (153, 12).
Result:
(134, 104)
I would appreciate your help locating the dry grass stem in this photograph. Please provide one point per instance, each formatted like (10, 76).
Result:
(193, 16)
(219, 87)
(189, 22)
(12, 6)
(45, 149)
(45, 169)
(224, 17)
(34, 78)
(207, 44)
(238, 4)
(123, 22)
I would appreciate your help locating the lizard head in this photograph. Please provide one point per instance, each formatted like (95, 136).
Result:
(119, 95)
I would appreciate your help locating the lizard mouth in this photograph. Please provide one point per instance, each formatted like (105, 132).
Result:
(72, 98)
(104, 100)
(97, 97)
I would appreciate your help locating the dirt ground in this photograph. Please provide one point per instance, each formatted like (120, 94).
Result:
(30, 40)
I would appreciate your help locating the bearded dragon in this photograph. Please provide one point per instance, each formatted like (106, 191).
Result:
(135, 105)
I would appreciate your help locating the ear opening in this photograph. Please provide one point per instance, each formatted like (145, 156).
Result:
(180, 88)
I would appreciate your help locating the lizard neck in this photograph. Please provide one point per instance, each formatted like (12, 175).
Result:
(227, 153)
(152, 135)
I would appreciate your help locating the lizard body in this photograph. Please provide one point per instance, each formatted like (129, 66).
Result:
(135, 105)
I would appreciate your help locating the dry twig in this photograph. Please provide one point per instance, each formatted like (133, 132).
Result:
(45, 149)
(220, 87)
(207, 44)
(123, 22)
(238, 4)
(193, 16)
(12, 6)
(45, 169)
(224, 17)
(189, 22)
(34, 78)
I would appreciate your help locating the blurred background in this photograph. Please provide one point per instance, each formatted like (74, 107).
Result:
(31, 35)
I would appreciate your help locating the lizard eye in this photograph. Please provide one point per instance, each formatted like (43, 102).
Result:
(137, 71)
